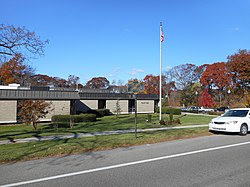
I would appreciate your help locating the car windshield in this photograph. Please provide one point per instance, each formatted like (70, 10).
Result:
(236, 113)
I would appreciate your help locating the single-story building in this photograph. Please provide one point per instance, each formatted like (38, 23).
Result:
(65, 101)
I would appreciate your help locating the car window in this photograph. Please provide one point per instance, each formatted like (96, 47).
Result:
(236, 113)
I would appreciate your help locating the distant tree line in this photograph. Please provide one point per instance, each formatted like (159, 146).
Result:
(209, 85)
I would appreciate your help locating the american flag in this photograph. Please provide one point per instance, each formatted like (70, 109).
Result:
(162, 35)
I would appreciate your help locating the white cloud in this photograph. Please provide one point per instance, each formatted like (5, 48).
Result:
(136, 71)
(166, 68)
(114, 72)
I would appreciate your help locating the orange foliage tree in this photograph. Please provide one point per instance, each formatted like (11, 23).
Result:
(31, 111)
(151, 84)
(217, 75)
(239, 64)
(13, 70)
(98, 83)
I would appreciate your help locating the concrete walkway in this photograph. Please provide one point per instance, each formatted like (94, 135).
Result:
(80, 135)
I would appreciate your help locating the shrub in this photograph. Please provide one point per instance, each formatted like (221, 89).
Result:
(171, 121)
(104, 112)
(168, 110)
(174, 111)
(65, 120)
(171, 117)
(100, 112)
(162, 122)
(84, 118)
(149, 120)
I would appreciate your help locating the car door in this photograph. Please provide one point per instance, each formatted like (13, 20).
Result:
(248, 120)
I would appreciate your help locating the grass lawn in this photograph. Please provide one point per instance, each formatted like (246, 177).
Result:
(107, 123)
(35, 150)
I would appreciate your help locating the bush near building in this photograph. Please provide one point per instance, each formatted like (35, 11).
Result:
(167, 110)
(100, 112)
(69, 120)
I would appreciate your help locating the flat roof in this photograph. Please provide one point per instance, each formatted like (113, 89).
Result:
(10, 94)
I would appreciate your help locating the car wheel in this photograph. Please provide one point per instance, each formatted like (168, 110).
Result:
(243, 130)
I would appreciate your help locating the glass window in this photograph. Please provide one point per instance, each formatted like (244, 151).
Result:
(236, 113)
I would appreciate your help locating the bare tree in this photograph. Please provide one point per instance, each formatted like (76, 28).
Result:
(118, 109)
(19, 40)
(73, 81)
(183, 75)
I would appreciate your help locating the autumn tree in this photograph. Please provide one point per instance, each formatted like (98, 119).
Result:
(19, 40)
(98, 83)
(217, 76)
(73, 81)
(239, 65)
(190, 94)
(206, 99)
(30, 111)
(15, 71)
(217, 79)
(42, 80)
(136, 86)
(184, 77)
(58, 82)
(199, 71)
(170, 86)
(151, 84)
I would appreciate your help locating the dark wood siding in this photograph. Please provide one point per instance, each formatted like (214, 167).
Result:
(31, 94)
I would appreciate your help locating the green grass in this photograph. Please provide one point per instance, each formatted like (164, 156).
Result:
(107, 123)
(196, 119)
(35, 150)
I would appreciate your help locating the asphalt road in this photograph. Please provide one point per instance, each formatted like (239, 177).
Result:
(218, 160)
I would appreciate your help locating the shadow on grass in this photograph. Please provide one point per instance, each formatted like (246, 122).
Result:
(12, 135)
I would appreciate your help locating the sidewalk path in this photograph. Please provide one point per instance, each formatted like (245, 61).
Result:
(80, 135)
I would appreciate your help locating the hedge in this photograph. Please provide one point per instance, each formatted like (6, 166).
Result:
(100, 112)
(166, 110)
(73, 118)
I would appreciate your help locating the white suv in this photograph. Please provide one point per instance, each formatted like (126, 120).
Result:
(234, 120)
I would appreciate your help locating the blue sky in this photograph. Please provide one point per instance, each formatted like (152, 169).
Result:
(119, 39)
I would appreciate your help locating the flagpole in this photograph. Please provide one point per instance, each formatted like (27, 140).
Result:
(160, 91)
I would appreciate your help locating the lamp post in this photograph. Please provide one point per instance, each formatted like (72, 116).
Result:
(197, 107)
(228, 92)
(135, 97)
(196, 93)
